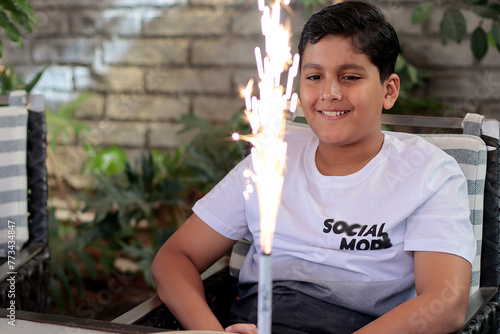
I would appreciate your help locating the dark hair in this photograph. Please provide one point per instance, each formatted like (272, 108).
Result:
(365, 24)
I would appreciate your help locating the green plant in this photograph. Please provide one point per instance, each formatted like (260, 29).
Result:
(146, 196)
(427, 106)
(155, 193)
(453, 25)
(213, 152)
(61, 124)
(412, 78)
(70, 262)
(66, 275)
(110, 161)
(10, 80)
(15, 14)
(63, 128)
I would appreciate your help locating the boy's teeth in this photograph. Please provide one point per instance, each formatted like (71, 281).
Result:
(333, 113)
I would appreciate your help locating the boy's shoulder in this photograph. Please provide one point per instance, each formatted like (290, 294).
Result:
(403, 140)
(411, 146)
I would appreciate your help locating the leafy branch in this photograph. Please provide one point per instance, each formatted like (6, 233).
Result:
(16, 14)
(453, 25)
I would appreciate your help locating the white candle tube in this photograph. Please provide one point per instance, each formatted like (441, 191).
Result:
(265, 296)
(293, 102)
(292, 73)
(258, 59)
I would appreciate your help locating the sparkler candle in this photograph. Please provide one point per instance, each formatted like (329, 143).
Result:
(267, 120)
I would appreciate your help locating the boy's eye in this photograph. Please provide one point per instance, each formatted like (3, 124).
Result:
(351, 77)
(314, 77)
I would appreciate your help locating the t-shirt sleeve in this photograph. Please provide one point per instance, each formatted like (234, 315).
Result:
(441, 223)
(223, 208)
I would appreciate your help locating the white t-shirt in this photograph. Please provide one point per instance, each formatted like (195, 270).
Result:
(352, 236)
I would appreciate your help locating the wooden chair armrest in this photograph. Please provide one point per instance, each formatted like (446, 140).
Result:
(154, 302)
(139, 311)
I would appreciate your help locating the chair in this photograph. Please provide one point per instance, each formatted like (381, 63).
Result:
(476, 150)
(24, 161)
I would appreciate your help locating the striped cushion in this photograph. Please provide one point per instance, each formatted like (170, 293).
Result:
(13, 179)
(240, 250)
(470, 153)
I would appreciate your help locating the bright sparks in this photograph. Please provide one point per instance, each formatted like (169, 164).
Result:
(267, 118)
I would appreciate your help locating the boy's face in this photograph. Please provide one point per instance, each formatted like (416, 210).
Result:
(341, 93)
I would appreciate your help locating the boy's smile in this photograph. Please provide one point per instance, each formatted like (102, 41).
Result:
(342, 97)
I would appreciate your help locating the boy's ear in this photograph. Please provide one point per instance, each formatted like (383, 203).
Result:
(391, 86)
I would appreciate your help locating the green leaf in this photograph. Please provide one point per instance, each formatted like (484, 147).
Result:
(443, 37)
(479, 43)
(495, 31)
(400, 63)
(57, 296)
(491, 40)
(111, 161)
(17, 15)
(23, 20)
(495, 6)
(62, 126)
(61, 275)
(453, 25)
(422, 12)
(412, 73)
(489, 12)
(76, 274)
(10, 80)
(88, 261)
(30, 85)
(25, 7)
(11, 31)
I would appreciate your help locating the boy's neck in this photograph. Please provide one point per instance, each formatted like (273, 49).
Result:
(346, 160)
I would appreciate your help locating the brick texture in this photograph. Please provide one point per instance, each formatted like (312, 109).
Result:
(138, 108)
(217, 109)
(186, 22)
(189, 80)
(147, 52)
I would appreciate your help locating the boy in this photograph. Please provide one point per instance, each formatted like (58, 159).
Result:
(373, 231)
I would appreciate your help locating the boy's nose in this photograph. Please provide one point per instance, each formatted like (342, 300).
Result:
(331, 91)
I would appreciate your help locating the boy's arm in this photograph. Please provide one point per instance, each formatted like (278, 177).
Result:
(442, 282)
(176, 272)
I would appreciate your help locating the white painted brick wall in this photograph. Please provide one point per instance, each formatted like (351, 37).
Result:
(225, 52)
(154, 108)
(150, 52)
(189, 80)
(187, 22)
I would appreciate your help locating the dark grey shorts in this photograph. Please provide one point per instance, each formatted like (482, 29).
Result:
(297, 313)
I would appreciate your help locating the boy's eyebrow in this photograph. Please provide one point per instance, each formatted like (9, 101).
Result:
(311, 66)
(350, 66)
